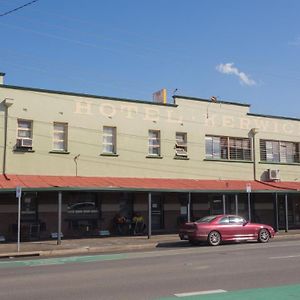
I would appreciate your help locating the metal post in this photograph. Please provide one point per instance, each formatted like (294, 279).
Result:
(236, 204)
(286, 213)
(189, 208)
(249, 207)
(276, 213)
(19, 221)
(149, 214)
(59, 218)
(224, 204)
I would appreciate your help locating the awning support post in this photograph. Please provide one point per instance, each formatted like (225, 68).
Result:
(189, 208)
(286, 213)
(149, 214)
(236, 204)
(224, 204)
(249, 206)
(276, 213)
(59, 218)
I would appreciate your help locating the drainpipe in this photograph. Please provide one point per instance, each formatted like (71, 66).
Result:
(253, 132)
(6, 103)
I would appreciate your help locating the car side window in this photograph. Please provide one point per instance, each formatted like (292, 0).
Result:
(236, 220)
(224, 220)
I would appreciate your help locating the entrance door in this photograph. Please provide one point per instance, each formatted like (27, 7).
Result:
(157, 212)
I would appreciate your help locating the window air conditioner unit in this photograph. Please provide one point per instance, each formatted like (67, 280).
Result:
(180, 152)
(24, 143)
(273, 174)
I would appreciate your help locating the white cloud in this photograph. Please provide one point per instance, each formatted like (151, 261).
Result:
(231, 70)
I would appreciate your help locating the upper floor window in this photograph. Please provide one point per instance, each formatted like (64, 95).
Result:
(60, 131)
(279, 151)
(181, 144)
(109, 140)
(24, 134)
(230, 148)
(154, 142)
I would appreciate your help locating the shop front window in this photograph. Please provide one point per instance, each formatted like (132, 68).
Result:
(83, 212)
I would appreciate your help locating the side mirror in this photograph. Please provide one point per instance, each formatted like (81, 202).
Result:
(245, 222)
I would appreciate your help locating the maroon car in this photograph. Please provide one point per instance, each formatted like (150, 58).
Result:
(223, 228)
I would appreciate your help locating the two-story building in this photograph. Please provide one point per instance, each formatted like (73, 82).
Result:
(92, 157)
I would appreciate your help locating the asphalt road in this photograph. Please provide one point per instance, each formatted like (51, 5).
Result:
(174, 270)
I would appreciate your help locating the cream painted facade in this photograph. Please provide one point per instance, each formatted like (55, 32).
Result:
(87, 114)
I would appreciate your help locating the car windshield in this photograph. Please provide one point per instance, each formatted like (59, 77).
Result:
(206, 219)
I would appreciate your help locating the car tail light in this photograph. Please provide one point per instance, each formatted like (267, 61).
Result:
(190, 226)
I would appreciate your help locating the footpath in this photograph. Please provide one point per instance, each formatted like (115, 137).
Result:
(105, 245)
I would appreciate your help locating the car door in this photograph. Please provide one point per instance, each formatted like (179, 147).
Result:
(239, 230)
(224, 228)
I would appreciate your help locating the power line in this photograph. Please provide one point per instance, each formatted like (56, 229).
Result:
(18, 8)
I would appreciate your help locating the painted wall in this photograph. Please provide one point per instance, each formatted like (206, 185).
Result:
(86, 117)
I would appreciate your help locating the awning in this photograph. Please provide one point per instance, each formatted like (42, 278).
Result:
(53, 183)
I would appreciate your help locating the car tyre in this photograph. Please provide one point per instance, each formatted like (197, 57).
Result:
(263, 236)
(214, 238)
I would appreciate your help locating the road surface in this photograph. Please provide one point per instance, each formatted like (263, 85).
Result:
(235, 271)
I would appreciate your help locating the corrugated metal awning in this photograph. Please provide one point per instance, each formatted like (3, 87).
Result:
(43, 183)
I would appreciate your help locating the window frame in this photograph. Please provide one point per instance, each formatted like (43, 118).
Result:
(152, 145)
(26, 137)
(113, 142)
(65, 137)
(278, 151)
(228, 148)
(181, 144)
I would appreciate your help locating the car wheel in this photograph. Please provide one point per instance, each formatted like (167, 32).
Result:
(263, 236)
(214, 238)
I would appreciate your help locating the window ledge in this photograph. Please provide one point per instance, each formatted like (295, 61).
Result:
(21, 150)
(154, 156)
(181, 157)
(279, 163)
(230, 160)
(59, 152)
(109, 154)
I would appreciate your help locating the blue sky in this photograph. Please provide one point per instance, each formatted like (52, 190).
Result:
(243, 51)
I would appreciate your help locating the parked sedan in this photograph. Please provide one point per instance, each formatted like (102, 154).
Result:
(223, 228)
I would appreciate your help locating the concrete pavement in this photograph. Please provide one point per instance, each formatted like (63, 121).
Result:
(103, 245)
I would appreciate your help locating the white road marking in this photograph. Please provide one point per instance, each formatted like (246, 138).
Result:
(282, 257)
(200, 293)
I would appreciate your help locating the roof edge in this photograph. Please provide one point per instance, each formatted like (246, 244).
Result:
(206, 100)
(84, 95)
(273, 117)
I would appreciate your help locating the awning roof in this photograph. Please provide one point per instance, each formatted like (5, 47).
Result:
(43, 183)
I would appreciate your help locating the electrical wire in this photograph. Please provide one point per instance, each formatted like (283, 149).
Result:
(18, 8)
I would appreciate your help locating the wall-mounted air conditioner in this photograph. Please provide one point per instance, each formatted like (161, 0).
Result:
(24, 143)
(180, 152)
(273, 174)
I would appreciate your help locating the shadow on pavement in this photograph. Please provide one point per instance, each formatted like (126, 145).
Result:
(179, 244)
